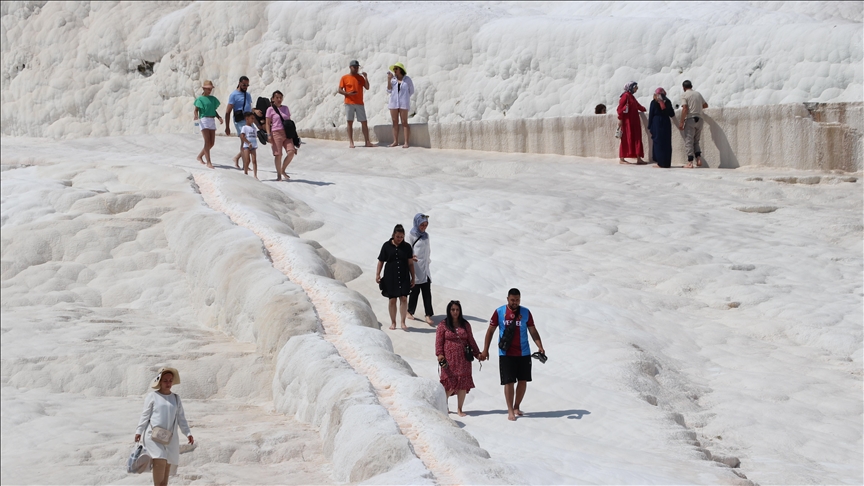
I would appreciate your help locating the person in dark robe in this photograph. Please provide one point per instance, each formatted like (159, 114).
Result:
(630, 126)
(660, 113)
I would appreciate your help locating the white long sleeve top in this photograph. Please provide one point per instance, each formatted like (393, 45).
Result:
(159, 411)
(423, 252)
(400, 93)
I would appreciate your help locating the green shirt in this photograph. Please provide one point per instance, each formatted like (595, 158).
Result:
(207, 106)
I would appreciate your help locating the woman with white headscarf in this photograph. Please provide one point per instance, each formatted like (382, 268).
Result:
(419, 240)
(163, 413)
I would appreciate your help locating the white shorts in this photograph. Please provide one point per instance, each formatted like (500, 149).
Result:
(359, 110)
(207, 123)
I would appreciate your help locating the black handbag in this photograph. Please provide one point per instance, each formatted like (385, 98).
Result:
(238, 114)
(509, 332)
(262, 137)
(469, 356)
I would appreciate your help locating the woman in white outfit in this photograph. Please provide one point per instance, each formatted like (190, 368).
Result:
(418, 238)
(163, 409)
(400, 87)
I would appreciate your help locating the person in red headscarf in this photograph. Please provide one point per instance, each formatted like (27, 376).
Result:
(631, 126)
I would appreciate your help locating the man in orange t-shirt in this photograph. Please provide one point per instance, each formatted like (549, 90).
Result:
(351, 86)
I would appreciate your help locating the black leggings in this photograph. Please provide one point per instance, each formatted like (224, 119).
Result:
(426, 288)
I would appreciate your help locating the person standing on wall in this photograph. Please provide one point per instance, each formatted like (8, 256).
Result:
(396, 260)
(692, 121)
(206, 114)
(400, 88)
(418, 238)
(239, 102)
(351, 86)
(660, 126)
(630, 126)
(163, 413)
(281, 133)
(514, 323)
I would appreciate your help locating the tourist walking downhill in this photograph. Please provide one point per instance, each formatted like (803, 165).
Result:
(418, 238)
(239, 102)
(514, 323)
(351, 86)
(163, 414)
(206, 116)
(396, 258)
(692, 121)
(456, 348)
(281, 134)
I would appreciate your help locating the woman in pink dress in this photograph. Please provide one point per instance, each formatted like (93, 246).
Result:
(631, 126)
(451, 340)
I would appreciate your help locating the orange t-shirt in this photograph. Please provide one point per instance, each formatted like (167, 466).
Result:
(353, 82)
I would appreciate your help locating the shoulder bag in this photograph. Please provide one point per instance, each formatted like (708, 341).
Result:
(163, 436)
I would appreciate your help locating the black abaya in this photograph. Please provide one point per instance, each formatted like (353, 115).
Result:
(660, 126)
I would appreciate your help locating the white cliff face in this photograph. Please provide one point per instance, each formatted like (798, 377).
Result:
(73, 70)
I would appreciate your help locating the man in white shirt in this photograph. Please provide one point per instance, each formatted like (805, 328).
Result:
(692, 121)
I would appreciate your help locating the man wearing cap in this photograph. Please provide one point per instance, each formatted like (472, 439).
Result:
(351, 86)
(239, 102)
(514, 324)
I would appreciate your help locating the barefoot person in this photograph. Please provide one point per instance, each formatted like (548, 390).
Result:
(418, 238)
(248, 135)
(692, 121)
(277, 117)
(239, 102)
(454, 342)
(163, 413)
(400, 87)
(630, 125)
(514, 323)
(351, 86)
(396, 259)
(206, 114)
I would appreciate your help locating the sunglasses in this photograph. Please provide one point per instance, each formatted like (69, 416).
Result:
(455, 302)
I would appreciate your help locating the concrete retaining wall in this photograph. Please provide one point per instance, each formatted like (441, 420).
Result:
(812, 136)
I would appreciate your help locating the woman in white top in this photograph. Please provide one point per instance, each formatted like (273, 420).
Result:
(163, 409)
(400, 87)
(418, 238)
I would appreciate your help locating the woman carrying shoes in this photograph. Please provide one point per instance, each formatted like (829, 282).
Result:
(400, 88)
(630, 125)
(396, 258)
(454, 341)
(163, 413)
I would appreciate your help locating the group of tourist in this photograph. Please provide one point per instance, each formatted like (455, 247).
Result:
(406, 275)
(659, 125)
(270, 121)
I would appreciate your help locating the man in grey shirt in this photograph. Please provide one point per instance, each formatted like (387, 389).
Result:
(692, 122)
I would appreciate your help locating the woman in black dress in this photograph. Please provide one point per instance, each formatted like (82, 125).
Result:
(398, 274)
(660, 126)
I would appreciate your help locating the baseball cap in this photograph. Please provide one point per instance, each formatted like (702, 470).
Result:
(354, 63)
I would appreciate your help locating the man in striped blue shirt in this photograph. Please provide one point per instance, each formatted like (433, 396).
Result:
(514, 323)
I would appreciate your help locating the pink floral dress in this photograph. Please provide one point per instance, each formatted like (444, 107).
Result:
(457, 374)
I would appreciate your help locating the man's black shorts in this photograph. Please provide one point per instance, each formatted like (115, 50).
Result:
(514, 368)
